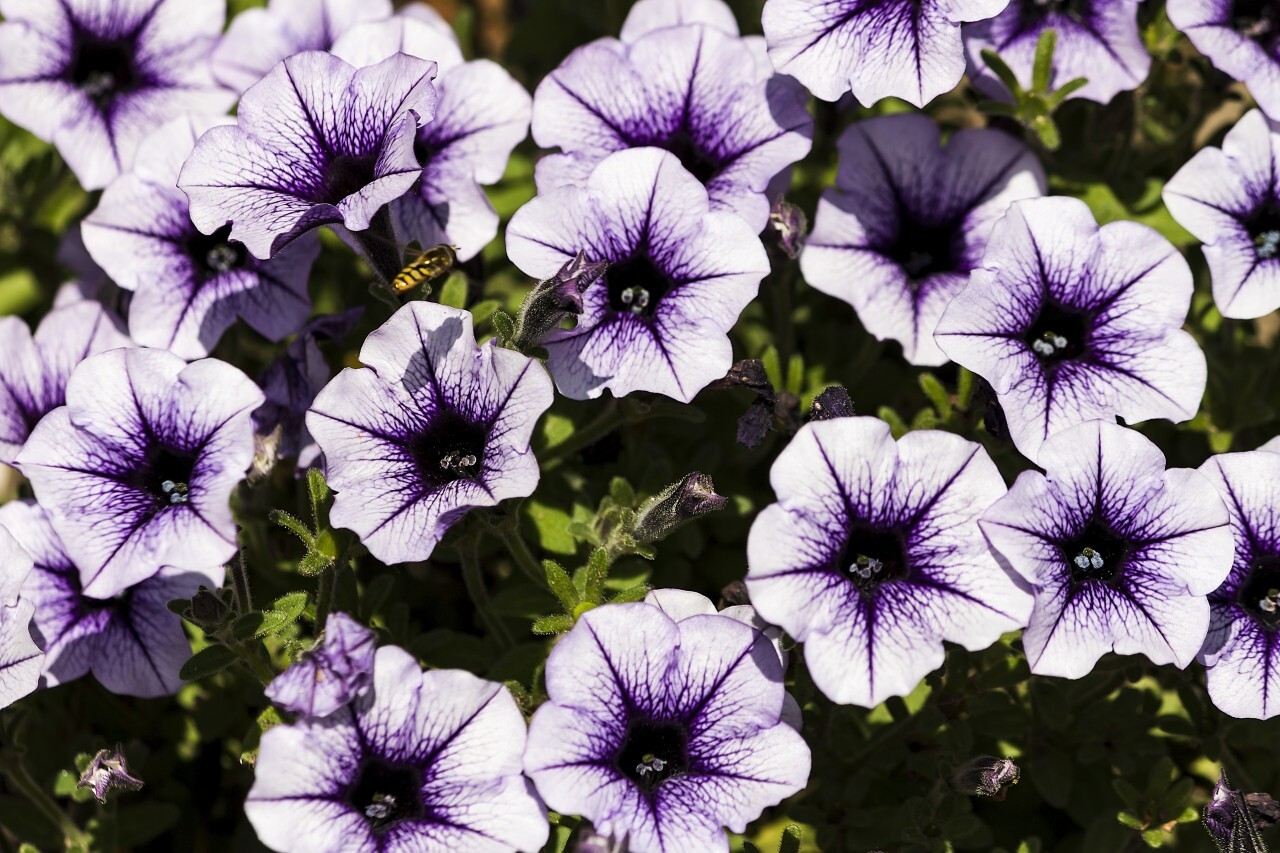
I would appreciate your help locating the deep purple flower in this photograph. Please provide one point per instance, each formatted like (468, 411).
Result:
(907, 49)
(20, 658)
(1120, 552)
(1070, 322)
(1241, 38)
(131, 642)
(695, 91)
(483, 114)
(34, 369)
(336, 672)
(137, 469)
(663, 732)
(872, 556)
(259, 38)
(908, 220)
(108, 772)
(318, 142)
(96, 76)
(1229, 198)
(1096, 39)
(424, 761)
(190, 287)
(679, 275)
(433, 427)
(649, 15)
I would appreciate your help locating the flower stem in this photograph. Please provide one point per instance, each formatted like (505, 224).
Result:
(378, 245)
(324, 594)
(73, 836)
(783, 288)
(519, 550)
(608, 420)
(474, 580)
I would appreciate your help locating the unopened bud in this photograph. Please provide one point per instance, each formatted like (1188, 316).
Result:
(107, 772)
(678, 503)
(552, 300)
(1234, 820)
(208, 608)
(790, 224)
(834, 402)
(985, 776)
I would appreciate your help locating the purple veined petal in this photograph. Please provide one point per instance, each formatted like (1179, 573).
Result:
(20, 657)
(1222, 36)
(335, 672)
(16, 564)
(371, 42)
(649, 15)
(680, 603)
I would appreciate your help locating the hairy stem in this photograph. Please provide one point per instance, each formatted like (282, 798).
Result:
(473, 578)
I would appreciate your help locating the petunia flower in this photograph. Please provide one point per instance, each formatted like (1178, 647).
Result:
(907, 49)
(649, 15)
(424, 761)
(1229, 198)
(1068, 322)
(697, 91)
(679, 275)
(137, 469)
(482, 115)
(1242, 650)
(188, 287)
(94, 77)
(1242, 39)
(20, 658)
(131, 642)
(259, 38)
(1121, 553)
(663, 732)
(1096, 39)
(318, 142)
(872, 556)
(908, 219)
(34, 369)
(432, 427)
(337, 671)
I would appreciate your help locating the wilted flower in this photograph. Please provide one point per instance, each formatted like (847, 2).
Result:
(790, 224)
(831, 403)
(1234, 819)
(1096, 39)
(1119, 552)
(337, 671)
(190, 287)
(985, 776)
(259, 38)
(108, 772)
(679, 275)
(20, 658)
(554, 299)
(1242, 39)
(433, 427)
(1229, 198)
(94, 77)
(424, 761)
(907, 49)
(909, 219)
(1070, 322)
(34, 370)
(137, 469)
(683, 501)
(318, 142)
(664, 732)
(872, 556)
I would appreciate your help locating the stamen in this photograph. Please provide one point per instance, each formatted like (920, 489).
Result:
(1049, 343)
(1088, 559)
(456, 460)
(1270, 603)
(177, 492)
(382, 807)
(98, 83)
(866, 567)
(221, 258)
(650, 763)
(636, 298)
(1267, 244)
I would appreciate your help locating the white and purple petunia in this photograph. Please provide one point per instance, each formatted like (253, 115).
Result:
(137, 469)
(649, 15)
(1241, 38)
(908, 219)
(188, 287)
(482, 115)
(131, 642)
(1229, 198)
(872, 556)
(1069, 321)
(423, 761)
(34, 369)
(1096, 39)
(317, 142)
(679, 275)
(700, 92)
(907, 49)
(1120, 553)
(20, 658)
(664, 731)
(433, 427)
(336, 672)
(94, 77)
(1242, 650)
(259, 38)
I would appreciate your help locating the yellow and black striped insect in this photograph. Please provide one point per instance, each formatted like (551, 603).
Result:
(428, 266)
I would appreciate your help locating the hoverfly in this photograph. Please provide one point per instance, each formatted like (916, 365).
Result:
(428, 266)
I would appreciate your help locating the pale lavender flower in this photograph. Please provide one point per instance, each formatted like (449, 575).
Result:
(20, 658)
(664, 732)
(336, 672)
(423, 761)
(649, 15)
(908, 219)
(1241, 38)
(94, 77)
(433, 427)
(679, 275)
(872, 556)
(137, 469)
(1069, 321)
(1121, 553)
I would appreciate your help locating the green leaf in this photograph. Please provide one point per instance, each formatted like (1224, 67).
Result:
(294, 525)
(561, 584)
(597, 573)
(1047, 131)
(1067, 88)
(504, 326)
(937, 394)
(1153, 837)
(454, 292)
(318, 489)
(635, 593)
(247, 625)
(1042, 67)
(621, 492)
(314, 563)
(1130, 820)
(1002, 70)
(291, 604)
(556, 624)
(482, 311)
(206, 662)
(552, 524)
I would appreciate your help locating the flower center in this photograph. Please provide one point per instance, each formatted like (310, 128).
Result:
(214, 254)
(450, 448)
(166, 476)
(387, 793)
(1096, 554)
(102, 69)
(1057, 334)
(872, 557)
(1263, 226)
(652, 752)
(1259, 595)
(636, 286)
(345, 175)
(692, 156)
(1258, 20)
(924, 250)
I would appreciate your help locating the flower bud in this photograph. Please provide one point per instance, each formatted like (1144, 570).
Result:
(1234, 820)
(680, 502)
(790, 224)
(552, 300)
(107, 772)
(985, 776)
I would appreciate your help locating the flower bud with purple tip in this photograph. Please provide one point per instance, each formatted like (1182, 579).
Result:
(555, 298)
(692, 496)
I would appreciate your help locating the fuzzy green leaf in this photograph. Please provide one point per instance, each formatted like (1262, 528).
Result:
(561, 584)
(556, 624)
(206, 662)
